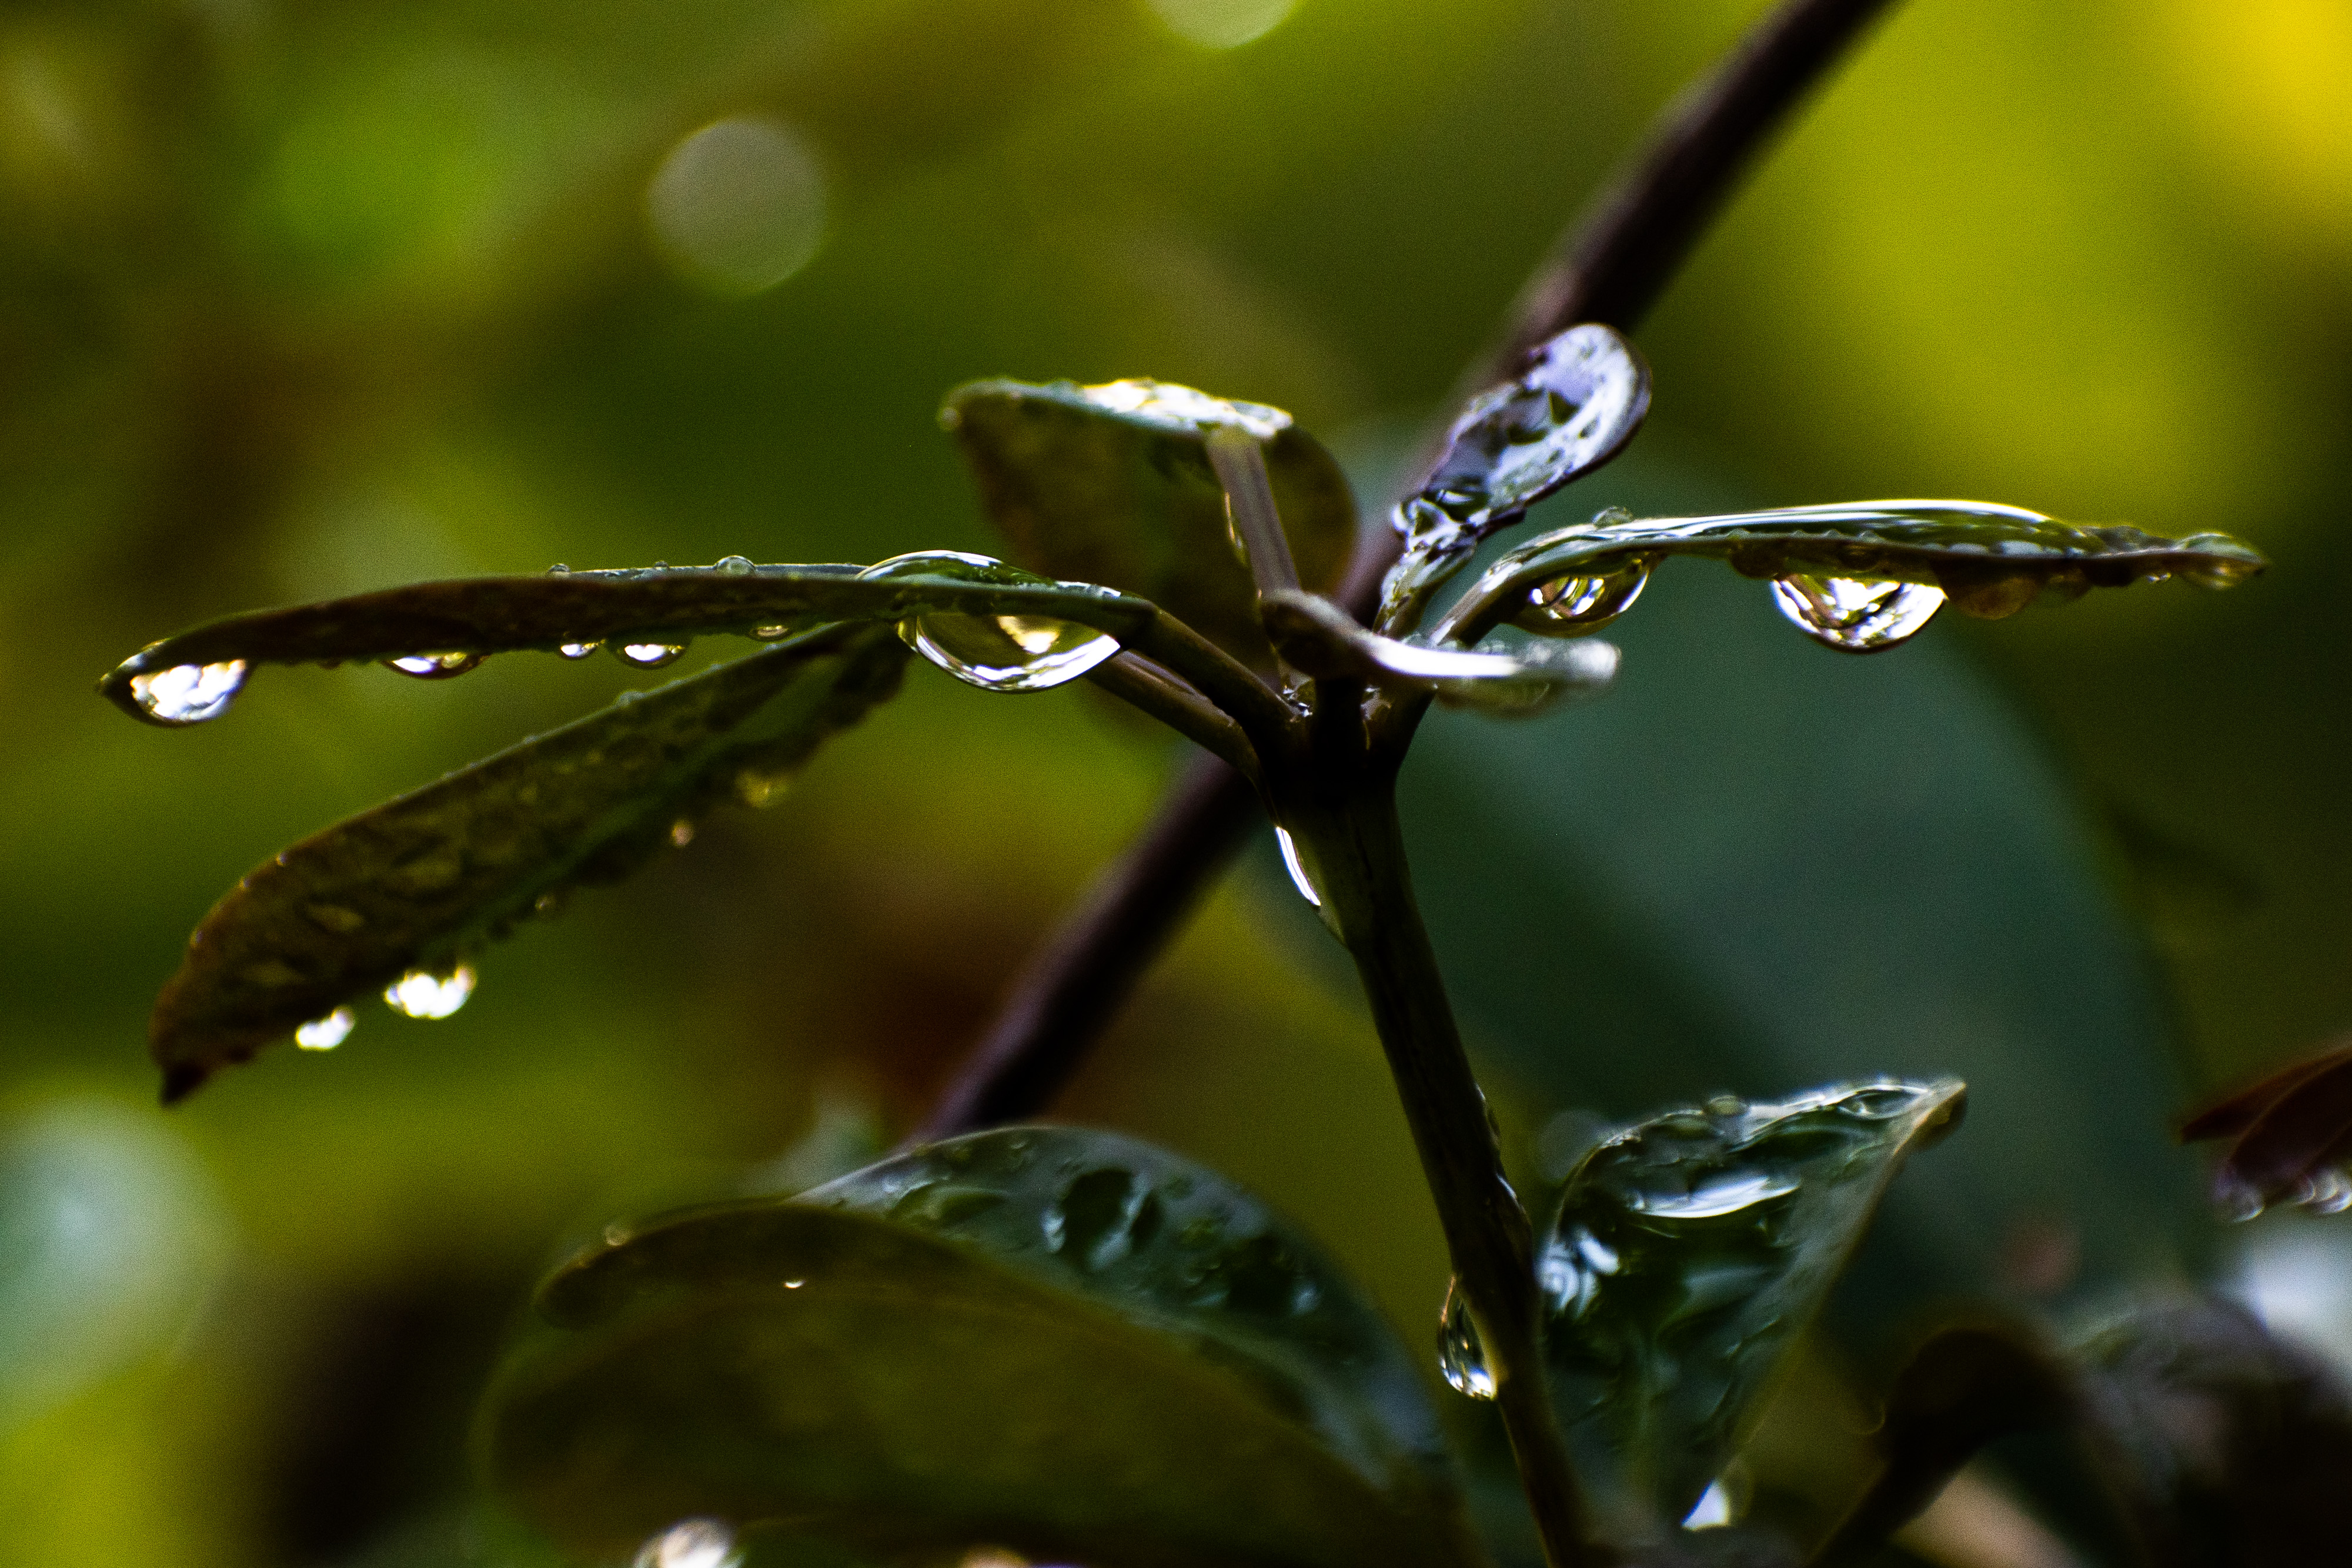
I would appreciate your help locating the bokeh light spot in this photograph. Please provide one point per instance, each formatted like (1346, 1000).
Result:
(738, 206)
(1222, 23)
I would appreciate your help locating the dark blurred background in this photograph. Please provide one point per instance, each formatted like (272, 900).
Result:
(301, 297)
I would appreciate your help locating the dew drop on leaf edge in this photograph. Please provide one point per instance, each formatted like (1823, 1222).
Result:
(421, 994)
(690, 1543)
(578, 650)
(188, 694)
(732, 566)
(994, 652)
(648, 656)
(325, 1034)
(1855, 615)
(1460, 1356)
(434, 666)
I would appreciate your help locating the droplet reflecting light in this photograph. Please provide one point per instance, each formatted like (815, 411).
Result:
(1297, 868)
(188, 694)
(326, 1033)
(421, 995)
(690, 1543)
(1713, 1509)
(1855, 615)
(994, 652)
(1460, 1356)
(435, 666)
(732, 566)
(648, 656)
(1571, 606)
(578, 650)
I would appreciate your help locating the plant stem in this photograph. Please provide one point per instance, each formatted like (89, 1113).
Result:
(1347, 828)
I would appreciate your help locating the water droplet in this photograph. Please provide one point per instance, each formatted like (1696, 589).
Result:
(326, 1033)
(770, 633)
(422, 995)
(2238, 1199)
(2327, 1190)
(648, 656)
(759, 790)
(732, 566)
(578, 650)
(1460, 1356)
(559, 570)
(1571, 606)
(1855, 615)
(1714, 1196)
(690, 1543)
(188, 694)
(1713, 1509)
(435, 666)
(682, 832)
(995, 653)
(1102, 1217)
(1297, 868)
(794, 1284)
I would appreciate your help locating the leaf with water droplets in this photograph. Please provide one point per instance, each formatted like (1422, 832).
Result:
(900, 1386)
(395, 897)
(2291, 1138)
(1839, 571)
(1689, 1253)
(1113, 484)
(1317, 638)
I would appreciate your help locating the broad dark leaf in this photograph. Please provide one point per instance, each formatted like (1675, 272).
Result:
(1858, 576)
(2292, 1138)
(1112, 484)
(1582, 398)
(1688, 1254)
(419, 882)
(1175, 1247)
(856, 1378)
(193, 676)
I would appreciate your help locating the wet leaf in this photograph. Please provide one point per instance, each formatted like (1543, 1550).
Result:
(420, 881)
(776, 1361)
(1317, 638)
(1581, 398)
(1687, 1254)
(1175, 1247)
(1113, 484)
(2292, 1138)
(659, 606)
(1989, 560)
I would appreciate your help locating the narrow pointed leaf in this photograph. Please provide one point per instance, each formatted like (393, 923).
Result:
(1990, 561)
(780, 1364)
(425, 878)
(1175, 1247)
(1688, 1254)
(2292, 1138)
(499, 614)
(1113, 484)
(1319, 639)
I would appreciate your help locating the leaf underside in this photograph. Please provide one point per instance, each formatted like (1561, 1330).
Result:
(1088, 492)
(1687, 1254)
(425, 878)
(861, 1381)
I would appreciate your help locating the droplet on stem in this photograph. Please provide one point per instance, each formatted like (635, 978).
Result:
(434, 666)
(1460, 1356)
(1855, 615)
(188, 694)
(1572, 606)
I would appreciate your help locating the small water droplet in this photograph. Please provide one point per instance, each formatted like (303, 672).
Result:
(559, 570)
(1297, 868)
(1855, 615)
(188, 694)
(422, 995)
(578, 650)
(617, 1234)
(759, 790)
(1460, 1356)
(794, 1284)
(1571, 606)
(690, 1543)
(2327, 1190)
(648, 656)
(2238, 1199)
(994, 652)
(326, 1033)
(770, 633)
(435, 666)
(682, 832)
(732, 566)
(1102, 1217)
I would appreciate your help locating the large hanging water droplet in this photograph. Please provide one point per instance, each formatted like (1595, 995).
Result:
(648, 656)
(1855, 615)
(1460, 1356)
(1572, 606)
(690, 1543)
(326, 1033)
(995, 653)
(578, 650)
(423, 995)
(188, 694)
(732, 566)
(434, 666)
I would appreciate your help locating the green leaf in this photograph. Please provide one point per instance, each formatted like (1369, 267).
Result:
(1173, 1246)
(1689, 1253)
(1989, 560)
(778, 1363)
(1113, 484)
(414, 884)
(193, 676)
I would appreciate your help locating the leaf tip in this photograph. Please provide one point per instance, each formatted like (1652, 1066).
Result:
(182, 1079)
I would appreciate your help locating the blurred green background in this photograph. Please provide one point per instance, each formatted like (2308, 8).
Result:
(303, 297)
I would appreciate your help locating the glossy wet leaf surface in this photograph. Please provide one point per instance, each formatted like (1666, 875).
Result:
(1174, 1245)
(2291, 1138)
(1686, 1256)
(1989, 560)
(1317, 638)
(414, 885)
(1113, 484)
(657, 610)
(877, 1383)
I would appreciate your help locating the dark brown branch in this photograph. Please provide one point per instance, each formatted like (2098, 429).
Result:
(1612, 265)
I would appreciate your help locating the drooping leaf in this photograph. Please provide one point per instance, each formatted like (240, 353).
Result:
(1989, 560)
(417, 882)
(1113, 484)
(1581, 398)
(776, 1361)
(1317, 638)
(1687, 1254)
(193, 675)
(1175, 1247)
(2291, 1138)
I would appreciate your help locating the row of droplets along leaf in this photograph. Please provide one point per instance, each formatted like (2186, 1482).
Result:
(418, 993)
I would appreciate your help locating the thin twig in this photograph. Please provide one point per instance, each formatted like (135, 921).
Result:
(1616, 261)
(1176, 705)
